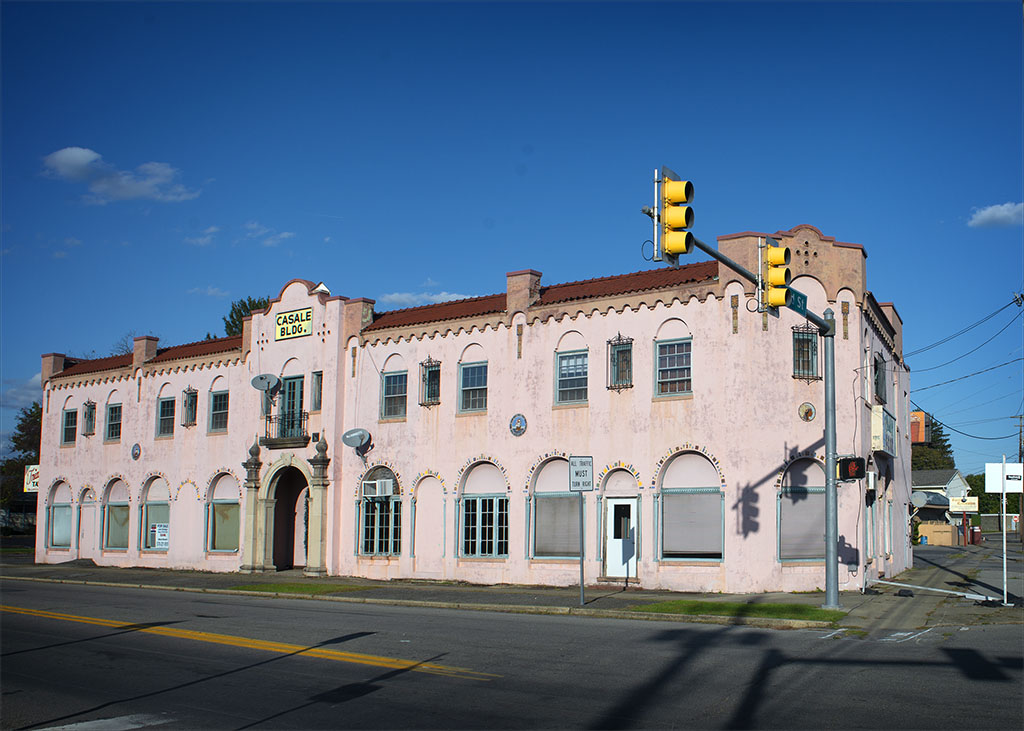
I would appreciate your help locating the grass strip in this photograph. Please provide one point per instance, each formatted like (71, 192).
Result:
(294, 588)
(742, 609)
(17, 549)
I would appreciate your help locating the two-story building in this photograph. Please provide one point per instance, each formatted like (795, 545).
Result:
(704, 419)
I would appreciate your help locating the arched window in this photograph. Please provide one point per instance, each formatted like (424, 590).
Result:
(60, 516)
(484, 510)
(556, 525)
(223, 514)
(116, 516)
(801, 512)
(693, 510)
(382, 513)
(156, 515)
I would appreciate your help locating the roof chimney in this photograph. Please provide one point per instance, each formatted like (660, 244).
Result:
(145, 349)
(522, 290)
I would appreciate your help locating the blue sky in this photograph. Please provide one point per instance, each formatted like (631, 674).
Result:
(161, 160)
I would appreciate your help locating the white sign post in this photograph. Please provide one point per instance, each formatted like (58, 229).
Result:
(1003, 478)
(581, 480)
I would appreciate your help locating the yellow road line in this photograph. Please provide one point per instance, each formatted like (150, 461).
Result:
(266, 645)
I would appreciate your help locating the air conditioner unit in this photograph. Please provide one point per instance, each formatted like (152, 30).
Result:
(385, 487)
(369, 488)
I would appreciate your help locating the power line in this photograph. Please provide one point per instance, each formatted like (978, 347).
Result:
(962, 433)
(925, 370)
(961, 332)
(969, 375)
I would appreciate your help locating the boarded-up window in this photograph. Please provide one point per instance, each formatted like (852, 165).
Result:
(802, 512)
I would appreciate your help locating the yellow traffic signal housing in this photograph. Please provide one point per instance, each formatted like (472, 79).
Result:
(675, 217)
(776, 276)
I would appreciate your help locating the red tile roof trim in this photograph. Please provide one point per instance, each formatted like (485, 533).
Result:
(175, 352)
(620, 284)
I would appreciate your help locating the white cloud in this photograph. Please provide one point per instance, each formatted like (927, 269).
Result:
(71, 241)
(327, 239)
(1003, 214)
(19, 394)
(415, 299)
(269, 236)
(429, 283)
(208, 291)
(205, 239)
(149, 181)
(60, 254)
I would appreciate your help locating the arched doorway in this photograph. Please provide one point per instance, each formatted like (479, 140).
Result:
(289, 519)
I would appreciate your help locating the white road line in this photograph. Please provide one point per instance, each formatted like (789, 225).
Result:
(121, 723)
(832, 634)
(904, 636)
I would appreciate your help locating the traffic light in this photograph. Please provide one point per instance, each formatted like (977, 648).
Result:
(851, 468)
(674, 217)
(775, 289)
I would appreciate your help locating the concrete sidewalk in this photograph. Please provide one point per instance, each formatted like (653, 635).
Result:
(969, 569)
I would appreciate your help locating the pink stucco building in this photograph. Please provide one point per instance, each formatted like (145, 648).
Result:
(704, 420)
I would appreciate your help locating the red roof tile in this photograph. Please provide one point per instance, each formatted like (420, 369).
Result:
(174, 352)
(454, 310)
(74, 367)
(195, 350)
(653, 279)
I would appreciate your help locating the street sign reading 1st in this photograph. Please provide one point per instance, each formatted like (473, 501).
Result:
(581, 474)
(798, 303)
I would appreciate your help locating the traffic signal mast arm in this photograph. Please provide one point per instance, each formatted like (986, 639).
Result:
(825, 327)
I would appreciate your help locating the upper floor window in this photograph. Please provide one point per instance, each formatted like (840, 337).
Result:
(430, 382)
(189, 406)
(113, 423)
(70, 426)
(165, 417)
(673, 368)
(219, 411)
(316, 388)
(393, 400)
(473, 387)
(805, 352)
(88, 418)
(880, 378)
(571, 375)
(620, 363)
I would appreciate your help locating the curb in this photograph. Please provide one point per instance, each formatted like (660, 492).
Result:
(758, 622)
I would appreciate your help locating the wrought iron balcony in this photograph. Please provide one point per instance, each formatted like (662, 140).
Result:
(286, 430)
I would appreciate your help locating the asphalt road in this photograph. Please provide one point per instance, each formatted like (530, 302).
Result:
(131, 658)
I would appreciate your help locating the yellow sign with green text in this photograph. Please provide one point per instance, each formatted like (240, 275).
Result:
(293, 324)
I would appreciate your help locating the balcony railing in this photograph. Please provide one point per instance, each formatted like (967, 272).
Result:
(288, 429)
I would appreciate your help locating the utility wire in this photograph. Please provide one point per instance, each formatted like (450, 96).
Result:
(925, 370)
(947, 426)
(969, 375)
(957, 334)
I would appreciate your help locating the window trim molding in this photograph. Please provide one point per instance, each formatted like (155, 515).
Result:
(461, 523)
(559, 354)
(657, 355)
(64, 426)
(616, 345)
(120, 424)
(209, 421)
(159, 415)
(384, 416)
(661, 527)
(462, 388)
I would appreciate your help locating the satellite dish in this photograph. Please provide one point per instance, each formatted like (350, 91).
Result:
(360, 439)
(919, 499)
(266, 382)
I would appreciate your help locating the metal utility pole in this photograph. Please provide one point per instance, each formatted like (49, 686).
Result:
(672, 239)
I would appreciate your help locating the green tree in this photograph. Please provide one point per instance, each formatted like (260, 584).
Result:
(24, 451)
(241, 309)
(934, 455)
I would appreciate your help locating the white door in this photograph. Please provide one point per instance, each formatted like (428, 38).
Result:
(87, 530)
(620, 536)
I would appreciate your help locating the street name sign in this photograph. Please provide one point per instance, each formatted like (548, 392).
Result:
(994, 477)
(581, 474)
(798, 303)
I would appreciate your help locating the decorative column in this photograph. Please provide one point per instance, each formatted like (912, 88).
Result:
(252, 486)
(316, 543)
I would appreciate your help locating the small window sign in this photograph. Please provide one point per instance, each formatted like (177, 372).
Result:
(293, 324)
